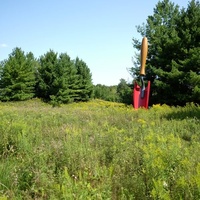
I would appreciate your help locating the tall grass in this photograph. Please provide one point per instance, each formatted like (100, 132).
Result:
(99, 150)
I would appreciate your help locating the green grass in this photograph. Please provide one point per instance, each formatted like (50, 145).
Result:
(99, 150)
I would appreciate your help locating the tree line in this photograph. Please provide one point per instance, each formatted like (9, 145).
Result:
(117, 93)
(54, 78)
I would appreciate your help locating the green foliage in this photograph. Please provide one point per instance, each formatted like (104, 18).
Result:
(54, 78)
(173, 58)
(84, 86)
(17, 76)
(99, 150)
(60, 80)
(51, 81)
(125, 91)
(107, 93)
(119, 93)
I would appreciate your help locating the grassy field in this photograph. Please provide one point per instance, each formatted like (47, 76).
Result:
(99, 150)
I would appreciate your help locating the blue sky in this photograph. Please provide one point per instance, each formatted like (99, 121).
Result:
(99, 32)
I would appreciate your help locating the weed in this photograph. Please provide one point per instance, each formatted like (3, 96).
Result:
(98, 150)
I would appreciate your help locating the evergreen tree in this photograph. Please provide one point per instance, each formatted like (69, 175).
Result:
(189, 55)
(47, 76)
(173, 56)
(84, 86)
(17, 76)
(69, 76)
(56, 77)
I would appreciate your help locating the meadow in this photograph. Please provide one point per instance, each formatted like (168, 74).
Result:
(99, 150)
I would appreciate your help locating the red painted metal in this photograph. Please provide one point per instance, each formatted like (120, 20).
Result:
(137, 100)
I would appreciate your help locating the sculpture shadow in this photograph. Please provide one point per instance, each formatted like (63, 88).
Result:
(190, 117)
(191, 111)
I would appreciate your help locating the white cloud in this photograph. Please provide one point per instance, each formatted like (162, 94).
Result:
(3, 45)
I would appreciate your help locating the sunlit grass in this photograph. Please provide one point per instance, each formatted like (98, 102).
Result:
(98, 150)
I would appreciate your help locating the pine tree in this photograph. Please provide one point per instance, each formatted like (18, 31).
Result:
(57, 76)
(189, 58)
(173, 56)
(46, 75)
(84, 86)
(67, 74)
(17, 77)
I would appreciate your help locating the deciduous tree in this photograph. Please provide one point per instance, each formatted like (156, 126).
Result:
(124, 90)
